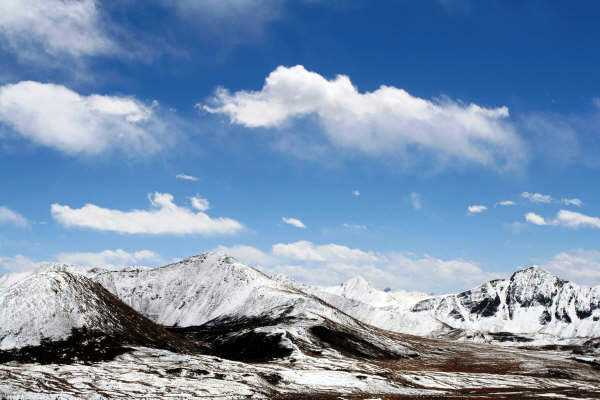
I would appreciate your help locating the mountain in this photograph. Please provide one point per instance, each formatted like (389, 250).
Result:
(532, 302)
(55, 315)
(224, 330)
(531, 305)
(213, 298)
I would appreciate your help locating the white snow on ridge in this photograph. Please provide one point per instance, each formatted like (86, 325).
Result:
(48, 305)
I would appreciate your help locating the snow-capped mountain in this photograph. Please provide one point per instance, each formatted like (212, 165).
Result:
(213, 292)
(46, 314)
(532, 304)
(235, 333)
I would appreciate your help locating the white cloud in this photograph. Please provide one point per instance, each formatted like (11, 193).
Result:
(415, 199)
(54, 27)
(355, 226)
(186, 177)
(57, 117)
(110, 257)
(308, 251)
(476, 209)
(579, 266)
(537, 197)
(330, 264)
(572, 202)
(507, 203)
(294, 222)
(200, 203)
(569, 219)
(573, 219)
(17, 263)
(8, 216)
(356, 193)
(387, 121)
(228, 17)
(535, 219)
(164, 217)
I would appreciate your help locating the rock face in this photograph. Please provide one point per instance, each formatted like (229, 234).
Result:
(531, 302)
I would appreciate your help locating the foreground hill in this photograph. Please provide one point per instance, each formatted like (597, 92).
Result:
(56, 315)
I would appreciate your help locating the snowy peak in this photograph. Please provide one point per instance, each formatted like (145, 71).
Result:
(54, 305)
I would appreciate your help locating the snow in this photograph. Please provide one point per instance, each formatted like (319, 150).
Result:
(48, 305)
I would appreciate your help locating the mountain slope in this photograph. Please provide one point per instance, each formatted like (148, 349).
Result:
(532, 305)
(214, 299)
(55, 314)
(531, 302)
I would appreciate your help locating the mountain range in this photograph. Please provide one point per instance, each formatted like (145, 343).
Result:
(210, 324)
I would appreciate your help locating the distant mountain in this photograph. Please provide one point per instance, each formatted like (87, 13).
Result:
(532, 305)
(532, 302)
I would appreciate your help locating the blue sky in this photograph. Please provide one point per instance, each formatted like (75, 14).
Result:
(377, 130)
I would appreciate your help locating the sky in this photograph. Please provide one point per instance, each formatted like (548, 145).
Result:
(424, 145)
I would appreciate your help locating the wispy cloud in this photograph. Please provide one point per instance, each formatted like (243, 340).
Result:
(117, 257)
(415, 200)
(476, 209)
(537, 197)
(294, 222)
(164, 217)
(8, 216)
(507, 203)
(186, 177)
(572, 202)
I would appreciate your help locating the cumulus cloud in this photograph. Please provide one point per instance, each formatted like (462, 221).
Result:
(200, 203)
(535, 219)
(54, 27)
(186, 177)
(356, 193)
(294, 222)
(507, 203)
(57, 117)
(8, 216)
(117, 257)
(17, 263)
(476, 209)
(415, 200)
(537, 197)
(164, 217)
(569, 219)
(580, 266)
(572, 202)
(330, 264)
(387, 121)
